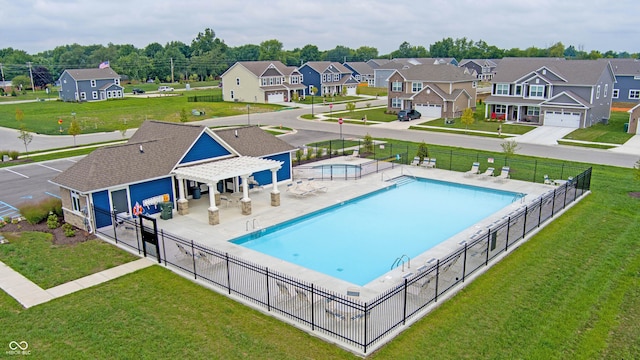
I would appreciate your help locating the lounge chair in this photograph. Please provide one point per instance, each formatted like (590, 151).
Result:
(184, 252)
(251, 181)
(475, 169)
(431, 163)
(353, 155)
(211, 260)
(416, 161)
(314, 186)
(487, 173)
(504, 174)
(547, 181)
(295, 190)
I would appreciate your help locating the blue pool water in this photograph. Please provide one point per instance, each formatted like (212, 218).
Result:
(359, 240)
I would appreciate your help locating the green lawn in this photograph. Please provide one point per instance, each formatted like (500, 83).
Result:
(33, 255)
(573, 291)
(612, 133)
(112, 115)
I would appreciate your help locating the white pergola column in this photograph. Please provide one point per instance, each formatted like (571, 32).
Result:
(275, 193)
(183, 203)
(245, 202)
(214, 212)
(213, 192)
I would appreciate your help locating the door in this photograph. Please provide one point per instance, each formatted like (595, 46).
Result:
(120, 201)
(430, 110)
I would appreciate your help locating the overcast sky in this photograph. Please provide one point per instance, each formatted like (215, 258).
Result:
(38, 25)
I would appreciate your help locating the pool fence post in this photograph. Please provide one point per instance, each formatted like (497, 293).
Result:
(506, 244)
(464, 263)
(435, 299)
(540, 208)
(486, 261)
(404, 308)
(313, 322)
(266, 270)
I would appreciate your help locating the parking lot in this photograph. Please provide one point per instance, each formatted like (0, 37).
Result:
(29, 182)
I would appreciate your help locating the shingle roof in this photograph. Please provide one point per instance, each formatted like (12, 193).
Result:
(154, 150)
(92, 74)
(436, 73)
(629, 67)
(321, 66)
(259, 67)
(575, 72)
(361, 68)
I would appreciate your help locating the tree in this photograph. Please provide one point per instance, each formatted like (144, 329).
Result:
(339, 54)
(19, 115)
(26, 137)
(509, 147)
(365, 53)
(467, 118)
(41, 76)
(423, 152)
(271, 50)
(183, 115)
(310, 53)
(203, 43)
(74, 130)
(247, 52)
(350, 106)
(368, 143)
(556, 50)
(21, 82)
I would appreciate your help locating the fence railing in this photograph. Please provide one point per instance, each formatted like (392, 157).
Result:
(349, 320)
(205, 98)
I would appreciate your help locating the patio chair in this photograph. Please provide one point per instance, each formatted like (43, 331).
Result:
(504, 174)
(211, 260)
(314, 186)
(547, 181)
(253, 183)
(488, 173)
(475, 169)
(431, 164)
(301, 297)
(416, 161)
(296, 191)
(184, 252)
(284, 291)
(354, 154)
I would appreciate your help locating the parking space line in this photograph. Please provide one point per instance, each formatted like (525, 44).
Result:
(7, 210)
(54, 195)
(49, 167)
(17, 173)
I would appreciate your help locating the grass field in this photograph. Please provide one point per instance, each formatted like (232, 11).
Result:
(612, 133)
(571, 292)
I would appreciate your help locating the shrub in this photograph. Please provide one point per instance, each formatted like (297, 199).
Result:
(14, 154)
(68, 229)
(36, 212)
(52, 221)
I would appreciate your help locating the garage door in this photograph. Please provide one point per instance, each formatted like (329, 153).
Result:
(562, 119)
(275, 98)
(351, 91)
(429, 110)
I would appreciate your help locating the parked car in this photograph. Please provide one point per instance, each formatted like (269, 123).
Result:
(137, 91)
(165, 88)
(406, 115)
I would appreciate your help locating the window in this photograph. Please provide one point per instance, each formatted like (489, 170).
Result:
(324, 77)
(501, 109)
(396, 86)
(396, 103)
(606, 89)
(474, 84)
(75, 201)
(93, 83)
(533, 111)
(117, 81)
(295, 79)
(83, 96)
(598, 92)
(358, 77)
(416, 87)
(536, 91)
(237, 81)
(634, 94)
(232, 95)
(336, 77)
(615, 93)
(94, 95)
(502, 89)
(518, 91)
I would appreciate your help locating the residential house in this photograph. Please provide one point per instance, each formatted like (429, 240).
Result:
(90, 85)
(634, 120)
(261, 82)
(361, 71)
(484, 68)
(330, 78)
(383, 68)
(627, 72)
(171, 162)
(551, 91)
(435, 90)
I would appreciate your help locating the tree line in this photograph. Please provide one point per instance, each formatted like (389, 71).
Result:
(207, 57)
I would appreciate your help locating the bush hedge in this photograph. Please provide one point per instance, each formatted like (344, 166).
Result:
(36, 212)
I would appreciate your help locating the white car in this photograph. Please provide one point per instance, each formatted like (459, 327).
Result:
(165, 88)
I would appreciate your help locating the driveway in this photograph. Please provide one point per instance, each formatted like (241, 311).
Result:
(544, 135)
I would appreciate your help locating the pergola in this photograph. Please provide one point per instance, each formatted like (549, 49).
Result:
(212, 172)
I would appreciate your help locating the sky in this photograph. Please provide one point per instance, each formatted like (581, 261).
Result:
(39, 25)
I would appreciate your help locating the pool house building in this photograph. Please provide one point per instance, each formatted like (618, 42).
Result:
(164, 165)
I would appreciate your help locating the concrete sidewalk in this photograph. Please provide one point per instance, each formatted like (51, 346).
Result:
(29, 294)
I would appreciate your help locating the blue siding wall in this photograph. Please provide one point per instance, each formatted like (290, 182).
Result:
(285, 172)
(624, 84)
(310, 77)
(101, 201)
(204, 148)
(68, 89)
(145, 190)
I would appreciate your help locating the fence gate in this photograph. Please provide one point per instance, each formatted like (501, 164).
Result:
(149, 232)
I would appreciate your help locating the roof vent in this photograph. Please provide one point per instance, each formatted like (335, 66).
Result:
(141, 149)
(236, 133)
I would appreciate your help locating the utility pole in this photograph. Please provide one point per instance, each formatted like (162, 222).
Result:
(172, 70)
(33, 88)
(2, 71)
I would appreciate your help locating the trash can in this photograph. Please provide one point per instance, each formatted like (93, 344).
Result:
(626, 127)
(166, 210)
(196, 193)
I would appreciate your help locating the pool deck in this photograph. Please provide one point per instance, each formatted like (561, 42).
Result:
(194, 226)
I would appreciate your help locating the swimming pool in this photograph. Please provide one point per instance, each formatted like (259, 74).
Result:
(337, 170)
(358, 240)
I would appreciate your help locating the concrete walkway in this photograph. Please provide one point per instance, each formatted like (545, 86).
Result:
(29, 294)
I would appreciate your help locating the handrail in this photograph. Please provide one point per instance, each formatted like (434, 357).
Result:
(400, 260)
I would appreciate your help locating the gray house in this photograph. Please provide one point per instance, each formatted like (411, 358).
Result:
(383, 68)
(484, 68)
(90, 85)
(627, 72)
(551, 91)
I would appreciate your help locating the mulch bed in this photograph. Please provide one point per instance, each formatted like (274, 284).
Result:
(59, 238)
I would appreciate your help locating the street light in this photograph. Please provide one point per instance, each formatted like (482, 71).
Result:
(248, 119)
(312, 94)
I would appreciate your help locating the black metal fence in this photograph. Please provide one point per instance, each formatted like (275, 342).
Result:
(348, 319)
(205, 98)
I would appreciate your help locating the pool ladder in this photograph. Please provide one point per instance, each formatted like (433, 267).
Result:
(401, 261)
(253, 223)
